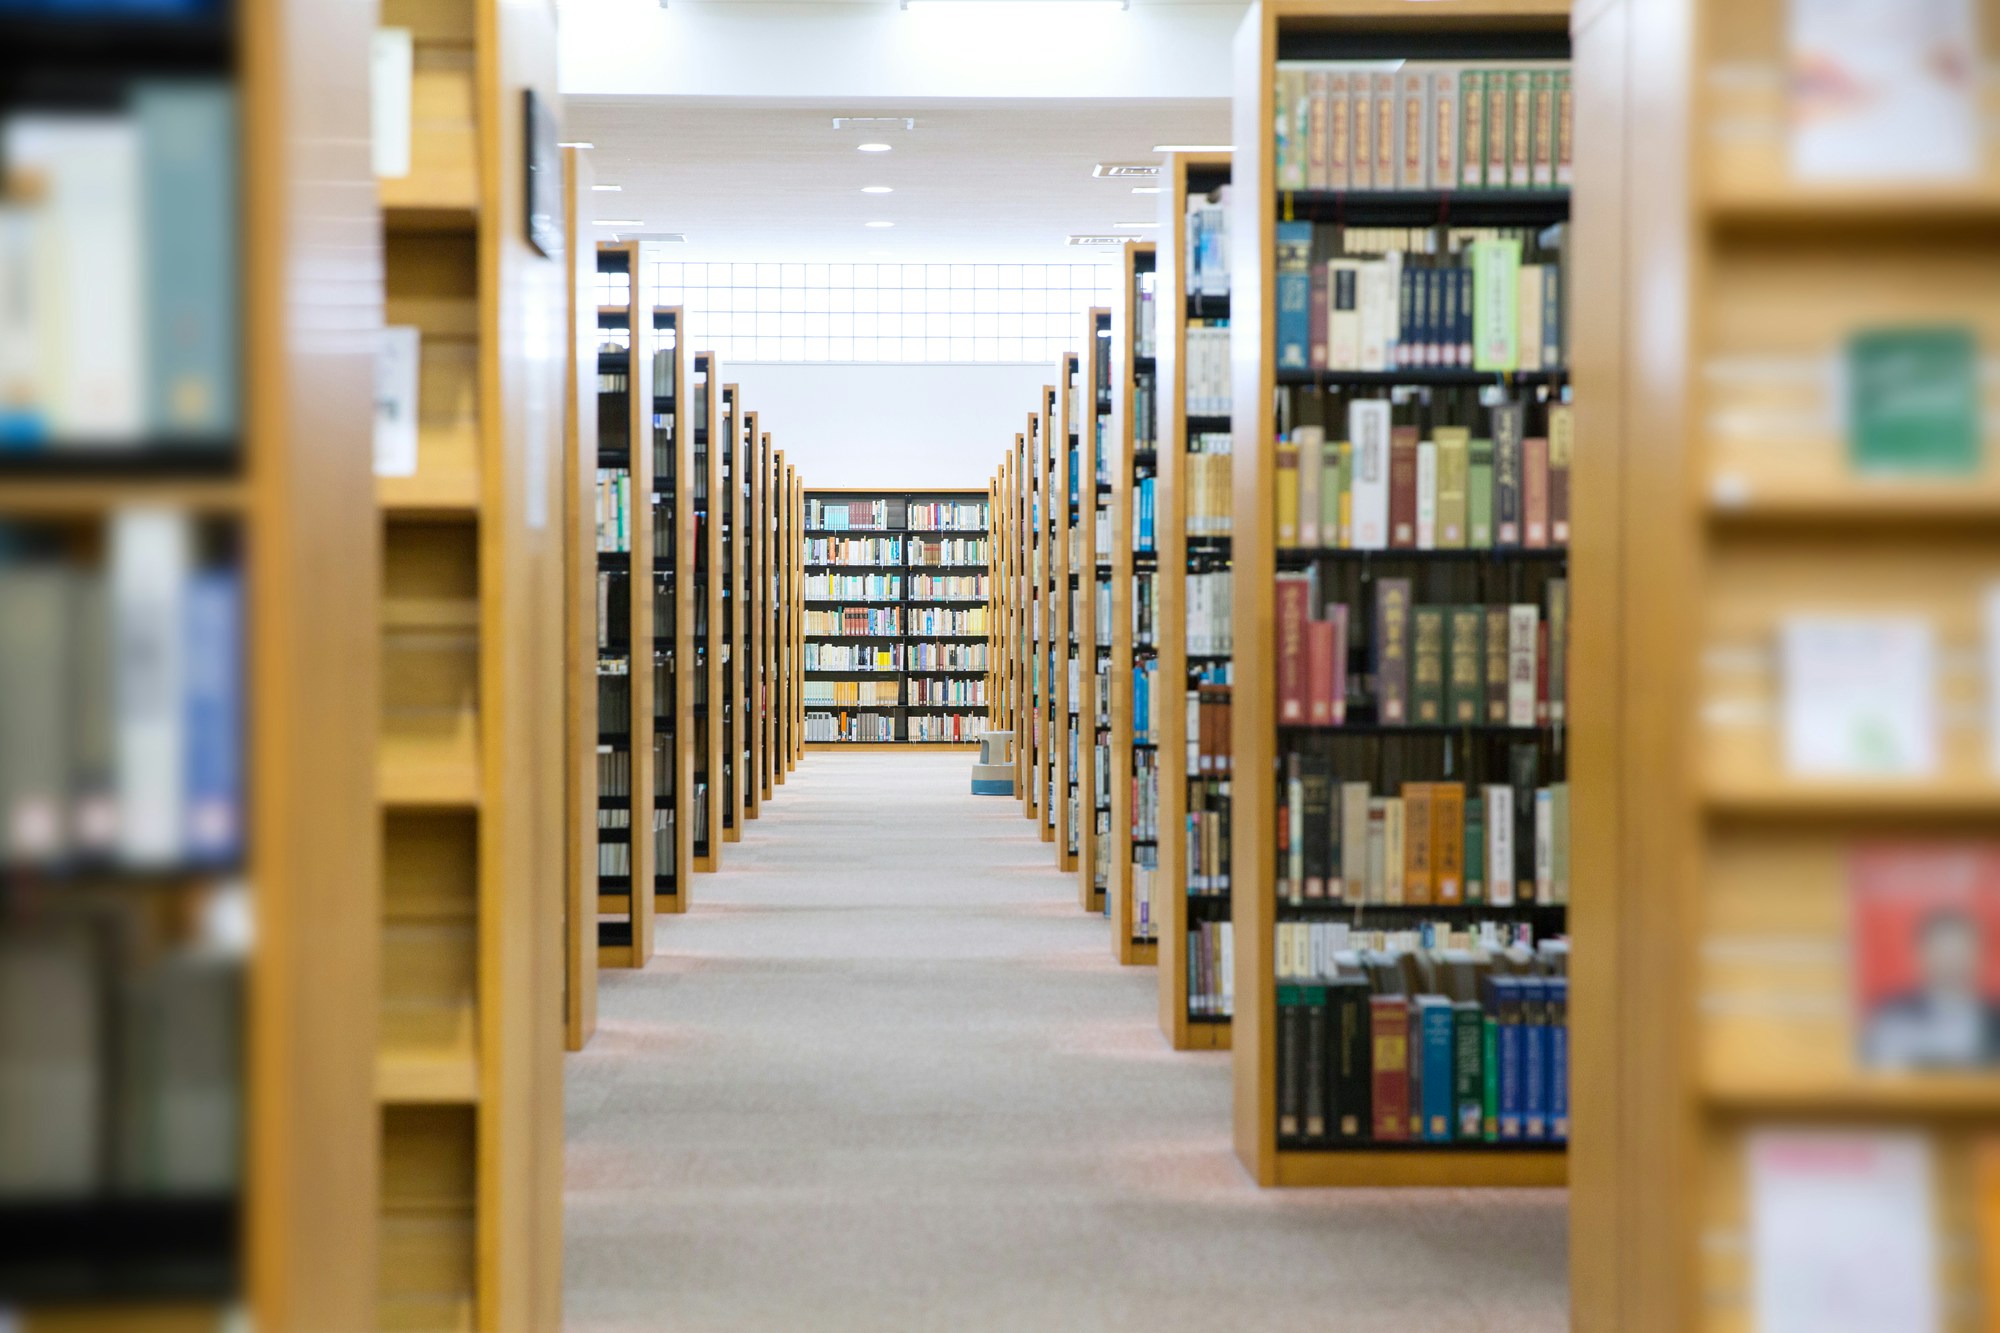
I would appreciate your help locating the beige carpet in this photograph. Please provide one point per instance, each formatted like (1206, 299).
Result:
(886, 1077)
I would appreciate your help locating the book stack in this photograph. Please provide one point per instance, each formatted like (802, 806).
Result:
(948, 587)
(1422, 125)
(949, 551)
(940, 516)
(1211, 965)
(882, 552)
(1208, 613)
(1438, 1035)
(614, 510)
(852, 691)
(869, 587)
(1428, 486)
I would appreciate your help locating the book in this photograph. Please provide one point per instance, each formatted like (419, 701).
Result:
(1389, 1024)
(1368, 430)
(1465, 665)
(1311, 442)
(1499, 129)
(1413, 126)
(1291, 1024)
(1316, 816)
(1403, 488)
(397, 370)
(1921, 913)
(1859, 696)
(1913, 402)
(1479, 495)
(1394, 856)
(1294, 294)
(1496, 278)
(1504, 1003)
(1392, 651)
(1445, 117)
(1285, 492)
(1559, 844)
(1350, 1102)
(1448, 842)
(188, 191)
(1521, 127)
(1499, 861)
(1438, 1083)
(1376, 843)
(1562, 440)
(1468, 1074)
(1417, 840)
(1354, 841)
(1498, 665)
(1556, 660)
(1427, 495)
(1475, 847)
(1523, 635)
(1472, 130)
(151, 561)
(1313, 1078)
(1535, 493)
(1427, 666)
(1336, 479)
(1293, 599)
(1339, 130)
(1535, 1067)
(213, 725)
(1509, 420)
(1453, 446)
(1324, 680)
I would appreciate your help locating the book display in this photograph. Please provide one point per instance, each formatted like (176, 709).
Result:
(1134, 614)
(896, 648)
(1396, 737)
(189, 582)
(708, 653)
(1191, 898)
(580, 926)
(473, 579)
(1785, 688)
(1090, 400)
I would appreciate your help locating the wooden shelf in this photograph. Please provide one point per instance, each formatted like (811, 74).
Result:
(437, 786)
(411, 1079)
(1417, 1167)
(71, 498)
(1854, 801)
(447, 495)
(1902, 1096)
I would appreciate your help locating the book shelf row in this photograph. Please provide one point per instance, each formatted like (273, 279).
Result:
(891, 654)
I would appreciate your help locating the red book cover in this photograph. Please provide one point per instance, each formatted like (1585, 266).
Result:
(1534, 492)
(1337, 617)
(1925, 935)
(1294, 594)
(1316, 344)
(1403, 488)
(1225, 756)
(1389, 1026)
(1319, 672)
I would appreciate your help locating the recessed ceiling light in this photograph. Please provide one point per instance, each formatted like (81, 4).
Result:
(1194, 148)
(575, 143)
(1145, 189)
(619, 222)
(881, 224)
(1134, 226)
(608, 189)
(877, 189)
(873, 147)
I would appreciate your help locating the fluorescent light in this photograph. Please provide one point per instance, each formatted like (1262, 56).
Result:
(575, 143)
(620, 222)
(942, 4)
(873, 147)
(1133, 226)
(1194, 148)
(1145, 189)
(608, 189)
(877, 189)
(879, 224)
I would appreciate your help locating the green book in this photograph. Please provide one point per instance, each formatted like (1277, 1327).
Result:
(1489, 1077)
(1475, 847)
(1453, 458)
(1332, 485)
(1468, 1070)
(1465, 669)
(1479, 496)
(1913, 402)
(1427, 667)
(1496, 296)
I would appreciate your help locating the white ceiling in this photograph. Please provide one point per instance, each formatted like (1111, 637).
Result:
(978, 179)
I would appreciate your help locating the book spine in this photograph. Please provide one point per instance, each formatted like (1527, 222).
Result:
(1403, 488)
(1392, 620)
(1427, 495)
(1448, 842)
(1440, 1078)
(1523, 628)
(1369, 430)
(1535, 1065)
(1294, 294)
(1467, 1072)
(1293, 598)
(1500, 845)
(188, 169)
(214, 726)
(1389, 1025)
(1472, 133)
(1507, 430)
(1535, 493)
(1445, 117)
(1428, 666)
(1562, 439)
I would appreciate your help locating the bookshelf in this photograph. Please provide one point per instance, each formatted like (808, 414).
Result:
(676, 675)
(1134, 575)
(1739, 919)
(1373, 745)
(1049, 718)
(1022, 636)
(705, 635)
(1064, 425)
(1089, 405)
(794, 622)
(756, 598)
(1192, 901)
(767, 618)
(729, 512)
(473, 574)
(277, 481)
(912, 627)
(580, 929)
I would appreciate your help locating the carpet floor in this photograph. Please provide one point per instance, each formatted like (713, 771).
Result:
(886, 1076)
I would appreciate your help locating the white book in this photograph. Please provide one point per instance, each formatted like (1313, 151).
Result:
(1376, 298)
(1500, 845)
(397, 377)
(391, 68)
(151, 552)
(1354, 839)
(1228, 968)
(1545, 845)
(1312, 457)
(1860, 696)
(1427, 495)
(88, 299)
(1842, 1232)
(1368, 430)
(1523, 626)
(1343, 319)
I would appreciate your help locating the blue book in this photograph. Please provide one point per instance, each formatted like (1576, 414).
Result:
(1534, 1059)
(1294, 295)
(187, 142)
(1558, 1011)
(212, 612)
(1503, 1001)
(1434, 1017)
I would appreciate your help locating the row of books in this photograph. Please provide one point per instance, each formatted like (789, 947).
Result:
(121, 701)
(614, 510)
(1207, 224)
(948, 551)
(948, 657)
(1209, 752)
(1421, 125)
(940, 620)
(1209, 496)
(943, 516)
(120, 323)
(1145, 414)
(852, 691)
(614, 610)
(1442, 666)
(844, 515)
(865, 727)
(1387, 488)
(1209, 609)
(614, 697)
(1491, 306)
(1433, 842)
(1211, 969)
(944, 726)
(1207, 846)
(1145, 338)
(948, 587)
(945, 691)
(1357, 1067)
(121, 1051)
(614, 772)
(1146, 798)
(881, 552)
(1210, 389)
(855, 621)
(853, 657)
(878, 587)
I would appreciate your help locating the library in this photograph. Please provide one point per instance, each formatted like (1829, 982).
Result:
(999, 664)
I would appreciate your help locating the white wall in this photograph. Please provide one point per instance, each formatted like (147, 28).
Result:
(917, 426)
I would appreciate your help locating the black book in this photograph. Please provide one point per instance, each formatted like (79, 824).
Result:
(1523, 769)
(1312, 1126)
(1350, 1069)
(1291, 1062)
(1316, 809)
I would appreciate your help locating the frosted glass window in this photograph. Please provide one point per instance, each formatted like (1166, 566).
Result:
(792, 325)
(816, 326)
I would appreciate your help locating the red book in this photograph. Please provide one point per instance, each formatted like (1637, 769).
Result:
(1225, 754)
(1319, 672)
(1316, 345)
(1337, 616)
(1389, 1028)
(1403, 488)
(1534, 492)
(1293, 611)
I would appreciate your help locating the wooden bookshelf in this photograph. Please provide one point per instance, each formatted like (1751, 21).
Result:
(1062, 812)
(1021, 653)
(1726, 930)
(469, 1076)
(1090, 581)
(1181, 907)
(294, 498)
(1465, 32)
(756, 599)
(794, 622)
(580, 554)
(676, 728)
(1134, 937)
(706, 634)
(728, 511)
(782, 556)
(767, 619)
(1000, 616)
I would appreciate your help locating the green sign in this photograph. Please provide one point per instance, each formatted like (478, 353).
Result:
(1913, 401)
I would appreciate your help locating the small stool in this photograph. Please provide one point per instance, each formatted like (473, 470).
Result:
(993, 775)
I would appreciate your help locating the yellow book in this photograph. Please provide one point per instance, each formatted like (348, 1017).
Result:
(1454, 451)
(1287, 496)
